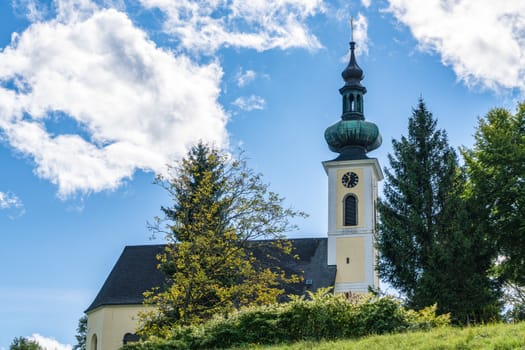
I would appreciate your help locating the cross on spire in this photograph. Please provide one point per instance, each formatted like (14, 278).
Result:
(352, 28)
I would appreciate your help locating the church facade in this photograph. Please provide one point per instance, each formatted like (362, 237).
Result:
(345, 260)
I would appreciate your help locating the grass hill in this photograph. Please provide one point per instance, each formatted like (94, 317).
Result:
(494, 337)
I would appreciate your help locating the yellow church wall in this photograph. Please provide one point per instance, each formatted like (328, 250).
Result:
(343, 191)
(109, 324)
(376, 276)
(353, 269)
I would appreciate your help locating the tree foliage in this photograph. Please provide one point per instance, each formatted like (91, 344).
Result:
(514, 302)
(496, 169)
(81, 334)
(219, 206)
(430, 247)
(22, 343)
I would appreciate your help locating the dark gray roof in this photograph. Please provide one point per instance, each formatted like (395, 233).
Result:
(136, 270)
(134, 273)
(311, 264)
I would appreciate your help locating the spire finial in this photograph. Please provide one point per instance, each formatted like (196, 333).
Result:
(353, 74)
(352, 28)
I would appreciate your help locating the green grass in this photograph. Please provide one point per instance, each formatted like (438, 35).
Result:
(494, 337)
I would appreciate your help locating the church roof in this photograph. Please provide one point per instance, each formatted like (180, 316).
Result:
(136, 270)
(134, 273)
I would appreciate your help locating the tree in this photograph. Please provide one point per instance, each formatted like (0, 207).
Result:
(514, 302)
(22, 343)
(430, 249)
(81, 334)
(219, 206)
(496, 169)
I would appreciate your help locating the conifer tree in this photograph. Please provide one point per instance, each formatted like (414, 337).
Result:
(430, 248)
(219, 206)
(81, 334)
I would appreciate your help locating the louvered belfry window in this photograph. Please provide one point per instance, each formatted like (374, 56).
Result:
(350, 210)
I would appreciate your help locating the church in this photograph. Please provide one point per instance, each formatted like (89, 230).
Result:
(345, 260)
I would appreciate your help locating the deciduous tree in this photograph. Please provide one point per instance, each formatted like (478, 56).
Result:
(496, 170)
(22, 343)
(219, 206)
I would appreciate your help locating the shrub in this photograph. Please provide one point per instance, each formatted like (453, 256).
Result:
(320, 316)
(426, 318)
(379, 316)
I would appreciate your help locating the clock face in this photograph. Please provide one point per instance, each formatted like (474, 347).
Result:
(350, 179)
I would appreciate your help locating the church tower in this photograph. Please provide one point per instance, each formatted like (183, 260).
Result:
(352, 188)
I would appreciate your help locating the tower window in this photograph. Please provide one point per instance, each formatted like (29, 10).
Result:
(359, 104)
(350, 210)
(352, 101)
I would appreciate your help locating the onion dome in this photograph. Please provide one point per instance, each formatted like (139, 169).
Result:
(352, 137)
(353, 74)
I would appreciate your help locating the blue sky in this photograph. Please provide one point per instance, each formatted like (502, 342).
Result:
(97, 96)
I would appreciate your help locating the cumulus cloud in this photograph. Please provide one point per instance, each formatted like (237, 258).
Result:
(136, 106)
(249, 103)
(12, 204)
(49, 343)
(246, 77)
(483, 41)
(260, 25)
(30, 9)
(129, 104)
(366, 3)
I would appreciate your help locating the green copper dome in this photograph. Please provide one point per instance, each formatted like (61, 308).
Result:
(352, 137)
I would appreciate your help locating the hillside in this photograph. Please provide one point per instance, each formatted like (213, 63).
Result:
(496, 336)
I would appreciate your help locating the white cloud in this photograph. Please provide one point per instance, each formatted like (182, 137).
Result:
(256, 24)
(135, 105)
(49, 343)
(249, 103)
(366, 3)
(30, 9)
(246, 77)
(138, 106)
(361, 34)
(483, 41)
(10, 202)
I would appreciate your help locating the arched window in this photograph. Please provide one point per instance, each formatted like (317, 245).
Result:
(130, 338)
(94, 345)
(350, 210)
(359, 104)
(352, 103)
